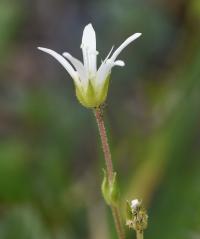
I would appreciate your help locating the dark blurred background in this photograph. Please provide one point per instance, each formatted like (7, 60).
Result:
(50, 157)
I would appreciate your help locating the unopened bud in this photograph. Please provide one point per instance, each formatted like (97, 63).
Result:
(110, 189)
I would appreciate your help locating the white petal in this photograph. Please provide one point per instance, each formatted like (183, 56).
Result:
(89, 37)
(119, 63)
(78, 65)
(62, 60)
(124, 44)
(89, 49)
(103, 72)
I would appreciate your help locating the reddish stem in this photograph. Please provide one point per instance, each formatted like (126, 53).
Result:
(109, 168)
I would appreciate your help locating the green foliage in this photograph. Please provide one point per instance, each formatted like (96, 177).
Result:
(23, 222)
(10, 20)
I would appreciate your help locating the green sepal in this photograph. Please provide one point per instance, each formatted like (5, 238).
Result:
(90, 95)
(88, 98)
(110, 190)
(79, 95)
(105, 188)
(93, 96)
(104, 91)
(129, 214)
(114, 190)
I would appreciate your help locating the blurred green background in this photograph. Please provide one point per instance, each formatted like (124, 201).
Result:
(50, 157)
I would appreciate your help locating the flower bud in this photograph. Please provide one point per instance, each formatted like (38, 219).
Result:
(110, 189)
(136, 215)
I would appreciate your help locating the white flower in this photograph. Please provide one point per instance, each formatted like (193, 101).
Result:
(135, 203)
(91, 84)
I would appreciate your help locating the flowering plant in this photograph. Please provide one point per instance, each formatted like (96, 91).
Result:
(91, 87)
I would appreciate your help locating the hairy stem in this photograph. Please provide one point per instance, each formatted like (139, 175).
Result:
(109, 168)
(105, 145)
(139, 234)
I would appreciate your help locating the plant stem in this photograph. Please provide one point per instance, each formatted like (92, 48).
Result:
(105, 145)
(109, 169)
(139, 234)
